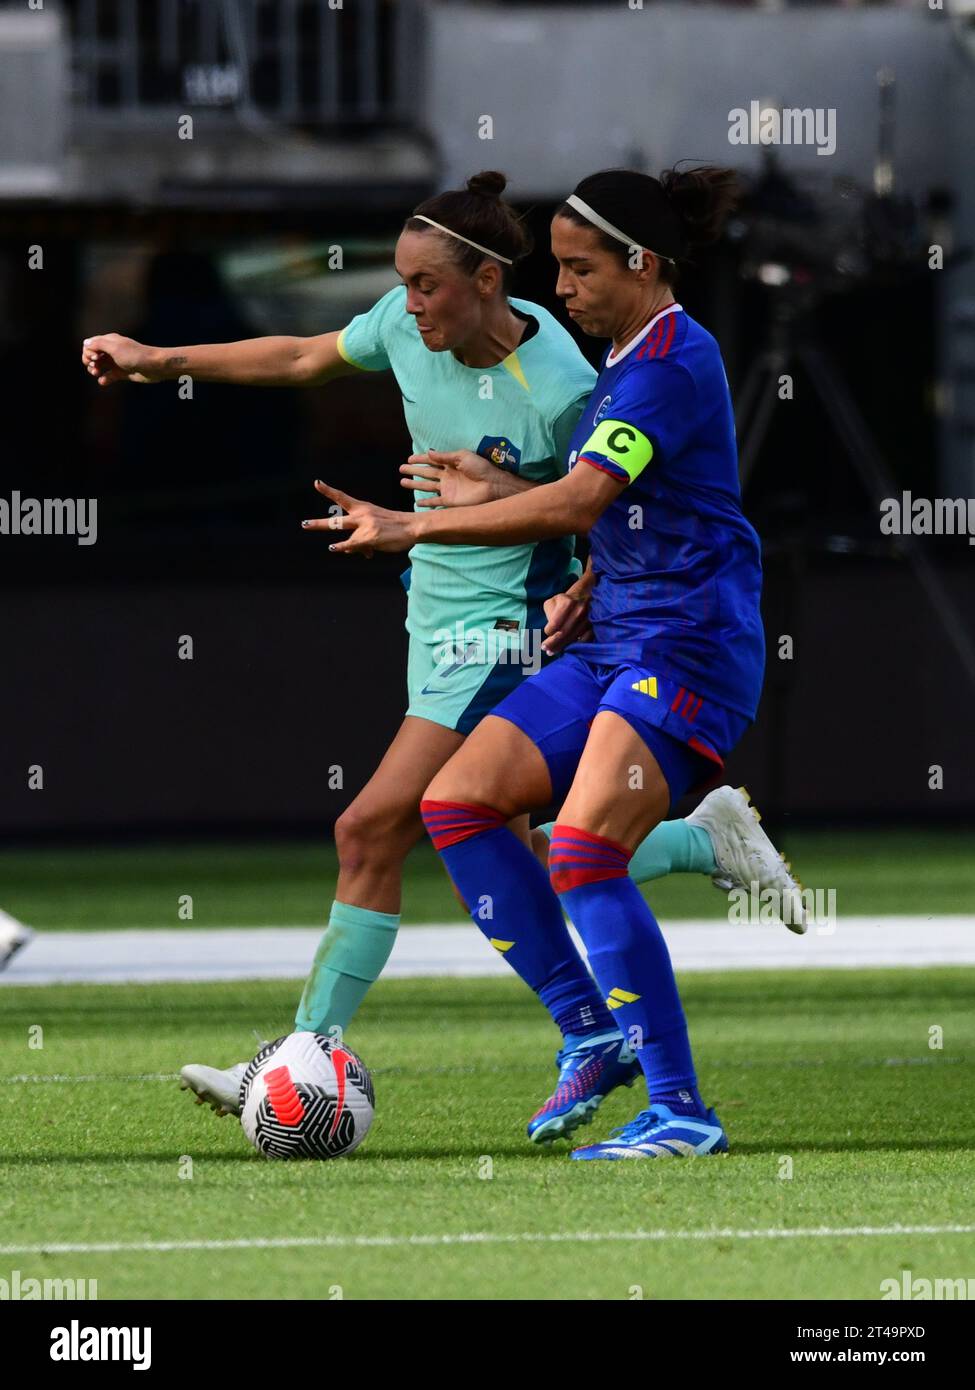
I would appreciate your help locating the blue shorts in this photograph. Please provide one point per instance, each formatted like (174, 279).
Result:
(687, 735)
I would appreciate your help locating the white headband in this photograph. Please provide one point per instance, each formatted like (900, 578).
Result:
(476, 244)
(591, 215)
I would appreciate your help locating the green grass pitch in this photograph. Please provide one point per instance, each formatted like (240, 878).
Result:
(841, 1118)
(260, 884)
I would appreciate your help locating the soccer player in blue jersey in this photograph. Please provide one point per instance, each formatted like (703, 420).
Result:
(621, 726)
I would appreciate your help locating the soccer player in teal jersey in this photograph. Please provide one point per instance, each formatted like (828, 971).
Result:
(500, 377)
(475, 613)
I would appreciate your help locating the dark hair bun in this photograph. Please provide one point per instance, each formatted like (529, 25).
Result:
(489, 183)
(702, 198)
(477, 214)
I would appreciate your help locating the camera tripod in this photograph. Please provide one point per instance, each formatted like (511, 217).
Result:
(756, 407)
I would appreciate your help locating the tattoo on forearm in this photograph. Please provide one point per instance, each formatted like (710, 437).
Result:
(176, 361)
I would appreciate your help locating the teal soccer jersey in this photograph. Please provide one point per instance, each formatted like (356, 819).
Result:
(520, 414)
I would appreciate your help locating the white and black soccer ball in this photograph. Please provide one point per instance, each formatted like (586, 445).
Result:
(306, 1096)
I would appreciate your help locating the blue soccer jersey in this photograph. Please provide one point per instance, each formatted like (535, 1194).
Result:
(678, 568)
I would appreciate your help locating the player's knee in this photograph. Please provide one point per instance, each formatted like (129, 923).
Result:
(461, 784)
(442, 788)
(371, 837)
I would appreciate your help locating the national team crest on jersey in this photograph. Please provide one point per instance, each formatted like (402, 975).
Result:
(601, 409)
(500, 451)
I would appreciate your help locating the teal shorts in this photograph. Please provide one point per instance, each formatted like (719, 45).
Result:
(457, 685)
(458, 671)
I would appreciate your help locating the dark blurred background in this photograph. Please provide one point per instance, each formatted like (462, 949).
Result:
(316, 128)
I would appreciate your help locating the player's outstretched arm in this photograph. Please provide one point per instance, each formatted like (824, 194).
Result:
(567, 507)
(273, 361)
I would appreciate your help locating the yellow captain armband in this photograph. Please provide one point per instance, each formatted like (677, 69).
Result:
(622, 444)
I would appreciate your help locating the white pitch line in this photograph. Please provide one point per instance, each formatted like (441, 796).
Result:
(263, 953)
(475, 1238)
(29, 1079)
(66, 1078)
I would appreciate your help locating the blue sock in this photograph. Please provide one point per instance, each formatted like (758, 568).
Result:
(672, 847)
(510, 900)
(629, 958)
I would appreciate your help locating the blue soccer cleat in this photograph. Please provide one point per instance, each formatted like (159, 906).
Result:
(659, 1133)
(587, 1074)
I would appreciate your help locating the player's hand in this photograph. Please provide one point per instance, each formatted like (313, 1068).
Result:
(372, 528)
(568, 621)
(459, 478)
(109, 357)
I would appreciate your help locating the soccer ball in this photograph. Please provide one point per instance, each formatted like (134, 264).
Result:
(306, 1096)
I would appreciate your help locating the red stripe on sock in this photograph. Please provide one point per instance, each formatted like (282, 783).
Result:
(577, 857)
(452, 822)
(590, 841)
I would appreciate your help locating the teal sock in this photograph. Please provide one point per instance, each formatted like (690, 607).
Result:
(672, 847)
(350, 957)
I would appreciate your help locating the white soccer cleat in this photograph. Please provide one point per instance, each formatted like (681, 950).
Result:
(745, 854)
(14, 936)
(211, 1086)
